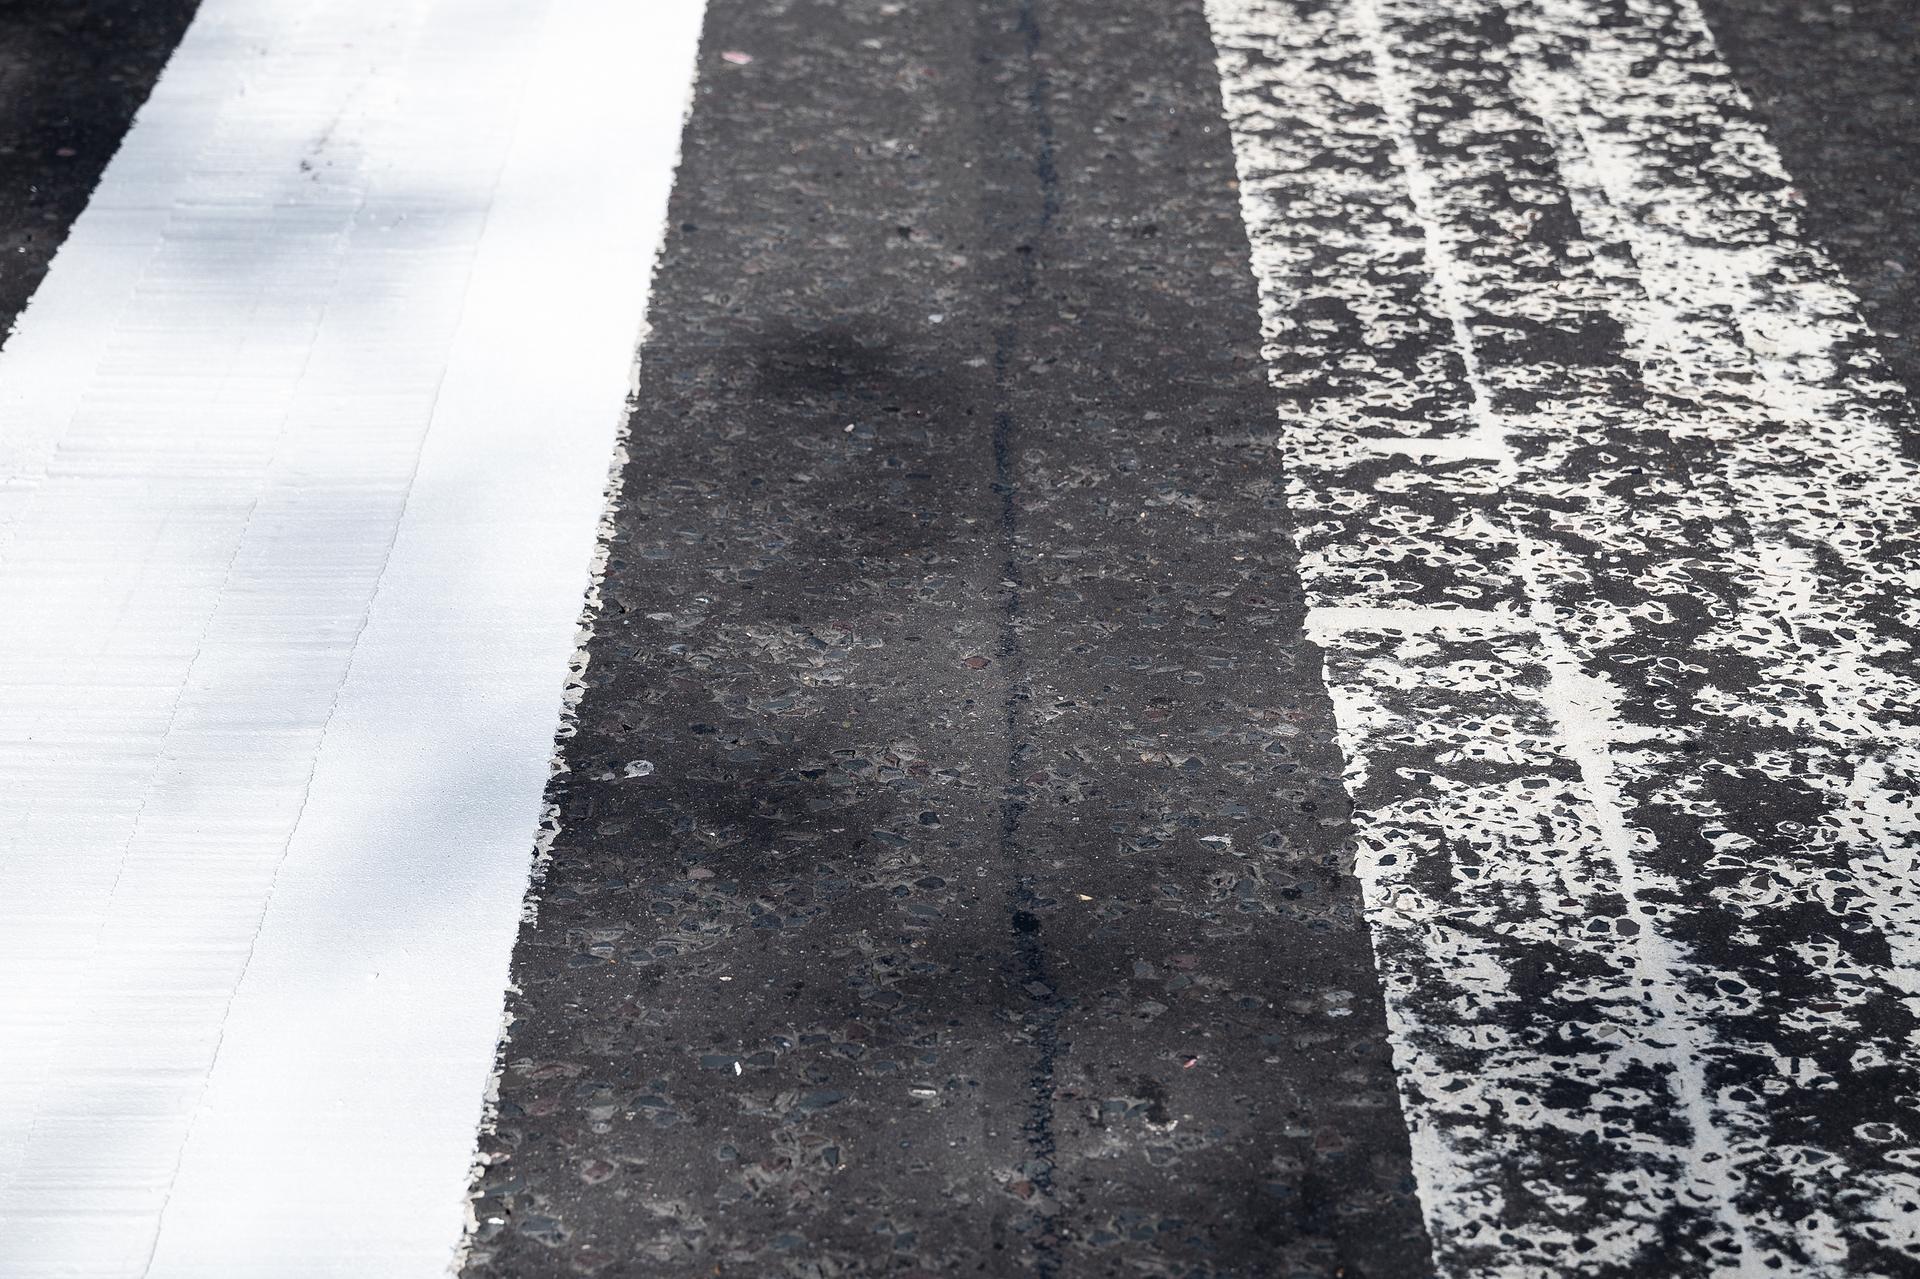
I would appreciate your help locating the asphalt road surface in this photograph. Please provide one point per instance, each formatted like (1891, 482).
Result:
(1227, 638)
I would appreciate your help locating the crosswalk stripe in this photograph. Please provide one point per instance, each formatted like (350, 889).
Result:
(308, 432)
(1638, 866)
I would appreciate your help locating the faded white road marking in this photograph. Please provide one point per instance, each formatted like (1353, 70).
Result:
(1635, 861)
(307, 434)
(1327, 623)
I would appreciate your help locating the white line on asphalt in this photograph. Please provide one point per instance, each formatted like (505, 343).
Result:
(1583, 709)
(308, 430)
(1508, 807)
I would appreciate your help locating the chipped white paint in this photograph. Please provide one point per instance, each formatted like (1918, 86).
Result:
(1543, 362)
(1329, 621)
(306, 437)
(1583, 711)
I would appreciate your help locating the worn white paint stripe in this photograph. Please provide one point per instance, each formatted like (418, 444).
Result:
(1328, 622)
(1589, 815)
(1589, 727)
(1579, 935)
(313, 418)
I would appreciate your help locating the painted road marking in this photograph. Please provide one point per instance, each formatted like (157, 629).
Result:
(1639, 863)
(307, 436)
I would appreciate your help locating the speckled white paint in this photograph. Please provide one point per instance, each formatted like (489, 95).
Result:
(1604, 520)
(308, 430)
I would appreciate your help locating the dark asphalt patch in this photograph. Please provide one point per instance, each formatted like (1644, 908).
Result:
(986, 910)
(71, 78)
(1837, 84)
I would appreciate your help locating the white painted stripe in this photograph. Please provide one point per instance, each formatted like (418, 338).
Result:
(308, 433)
(1583, 709)
(1507, 808)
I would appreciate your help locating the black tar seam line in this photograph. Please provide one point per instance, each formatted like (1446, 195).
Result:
(1044, 1022)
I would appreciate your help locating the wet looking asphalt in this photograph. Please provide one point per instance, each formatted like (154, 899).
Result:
(986, 909)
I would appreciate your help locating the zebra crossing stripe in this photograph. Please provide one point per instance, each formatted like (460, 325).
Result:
(308, 430)
(1600, 499)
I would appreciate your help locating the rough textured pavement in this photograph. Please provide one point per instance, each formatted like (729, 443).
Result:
(985, 909)
(1834, 81)
(955, 865)
(951, 870)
